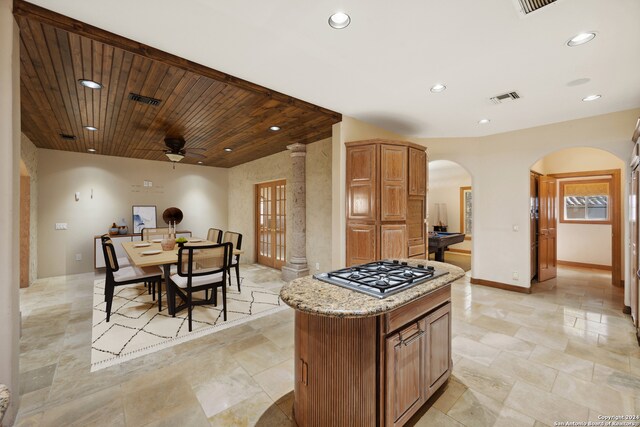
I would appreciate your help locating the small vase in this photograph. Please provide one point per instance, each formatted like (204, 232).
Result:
(114, 229)
(168, 244)
(123, 229)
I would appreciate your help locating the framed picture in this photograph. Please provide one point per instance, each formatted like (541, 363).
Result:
(466, 211)
(144, 216)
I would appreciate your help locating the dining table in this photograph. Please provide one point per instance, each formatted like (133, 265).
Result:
(150, 253)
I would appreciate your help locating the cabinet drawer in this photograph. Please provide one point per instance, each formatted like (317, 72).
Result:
(416, 309)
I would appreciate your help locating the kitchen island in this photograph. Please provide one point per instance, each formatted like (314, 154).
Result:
(365, 361)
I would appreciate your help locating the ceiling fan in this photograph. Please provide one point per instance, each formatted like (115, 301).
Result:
(176, 150)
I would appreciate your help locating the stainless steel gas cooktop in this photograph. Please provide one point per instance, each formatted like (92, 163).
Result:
(381, 278)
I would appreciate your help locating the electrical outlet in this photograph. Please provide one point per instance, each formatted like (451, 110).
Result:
(317, 266)
(78, 257)
(61, 225)
(515, 276)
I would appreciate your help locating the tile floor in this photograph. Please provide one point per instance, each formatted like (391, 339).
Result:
(563, 353)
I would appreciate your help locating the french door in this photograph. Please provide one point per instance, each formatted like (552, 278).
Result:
(271, 227)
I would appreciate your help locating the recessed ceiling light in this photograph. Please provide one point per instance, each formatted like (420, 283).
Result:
(581, 38)
(91, 128)
(274, 128)
(199, 162)
(339, 20)
(91, 150)
(483, 121)
(438, 88)
(591, 97)
(90, 84)
(228, 150)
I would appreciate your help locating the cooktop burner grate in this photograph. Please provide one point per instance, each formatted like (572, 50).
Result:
(381, 278)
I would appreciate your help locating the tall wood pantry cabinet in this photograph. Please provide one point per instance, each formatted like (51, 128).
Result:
(386, 201)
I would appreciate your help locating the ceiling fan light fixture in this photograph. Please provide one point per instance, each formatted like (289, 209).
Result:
(90, 84)
(581, 38)
(174, 157)
(339, 20)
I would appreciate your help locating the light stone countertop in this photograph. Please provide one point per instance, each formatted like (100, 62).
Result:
(4, 400)
(324, 299)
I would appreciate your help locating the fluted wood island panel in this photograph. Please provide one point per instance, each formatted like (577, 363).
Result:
(363, 361)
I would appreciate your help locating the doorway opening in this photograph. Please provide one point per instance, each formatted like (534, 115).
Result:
(271, 223)
(450, 210)
(576, 213)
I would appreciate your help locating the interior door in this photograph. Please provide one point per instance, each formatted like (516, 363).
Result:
(547, 229)
(271, 228)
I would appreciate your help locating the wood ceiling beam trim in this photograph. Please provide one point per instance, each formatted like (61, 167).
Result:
(32, 12)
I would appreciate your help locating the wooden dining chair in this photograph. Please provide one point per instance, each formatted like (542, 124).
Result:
(202, 268)
(122, 261)
(154, 233)
(214, 235)
(236, 240)
(118, 276)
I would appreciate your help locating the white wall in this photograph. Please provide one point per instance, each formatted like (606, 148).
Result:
(499, 166)
(242, 181)
(9, 204)
(583, 243)
(445, 180)
(117, 184)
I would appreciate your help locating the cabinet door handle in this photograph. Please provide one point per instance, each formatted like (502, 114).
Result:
(412, 339)
(304, 373)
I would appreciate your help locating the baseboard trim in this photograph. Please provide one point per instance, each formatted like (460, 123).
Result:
(460, 251)
(499, 285)
(584, 265)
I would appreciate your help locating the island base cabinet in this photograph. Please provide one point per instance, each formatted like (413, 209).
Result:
(405, 356)
(371, 371)
(437, 361)
(335, 371)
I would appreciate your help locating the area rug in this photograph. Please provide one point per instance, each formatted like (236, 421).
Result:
(136, 328)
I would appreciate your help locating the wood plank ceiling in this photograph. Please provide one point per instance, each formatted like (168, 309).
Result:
(209, 109)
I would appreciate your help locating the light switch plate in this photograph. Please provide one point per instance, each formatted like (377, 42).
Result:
(61, 226)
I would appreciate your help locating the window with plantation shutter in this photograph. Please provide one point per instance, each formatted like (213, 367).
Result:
(585, 201)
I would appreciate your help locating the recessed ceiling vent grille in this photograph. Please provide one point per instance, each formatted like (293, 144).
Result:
(67, 137)
(529, 6)
(511, 96)
(144, 99)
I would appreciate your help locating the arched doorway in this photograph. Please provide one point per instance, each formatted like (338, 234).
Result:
(576, 213)
(449, 208)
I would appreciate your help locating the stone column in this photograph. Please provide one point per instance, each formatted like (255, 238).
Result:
(296, 265)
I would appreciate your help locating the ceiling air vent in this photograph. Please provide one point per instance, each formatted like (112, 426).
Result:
(528, 6)
(511, 96)
(144, 99)
(67, 137)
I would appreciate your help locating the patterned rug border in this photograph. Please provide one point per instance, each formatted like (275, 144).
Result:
(116, 360)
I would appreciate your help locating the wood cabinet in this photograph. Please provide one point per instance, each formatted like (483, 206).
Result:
(386, 200)
(371, 371)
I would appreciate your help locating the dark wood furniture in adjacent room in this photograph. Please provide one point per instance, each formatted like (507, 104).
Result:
(440, 242)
